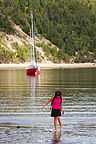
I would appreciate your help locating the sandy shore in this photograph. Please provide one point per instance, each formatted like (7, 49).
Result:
(49, 65)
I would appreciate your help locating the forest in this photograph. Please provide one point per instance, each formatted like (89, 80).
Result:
(68, 24)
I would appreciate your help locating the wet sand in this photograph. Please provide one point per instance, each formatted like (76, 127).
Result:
(50, 65)
(69, 65)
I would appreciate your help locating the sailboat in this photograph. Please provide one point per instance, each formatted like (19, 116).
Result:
(33, 69)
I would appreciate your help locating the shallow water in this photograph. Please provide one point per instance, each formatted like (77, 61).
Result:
(21, 99)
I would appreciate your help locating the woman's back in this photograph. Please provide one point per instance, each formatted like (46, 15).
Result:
(56, 103)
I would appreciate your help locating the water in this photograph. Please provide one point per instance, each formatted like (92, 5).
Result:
(22, 97)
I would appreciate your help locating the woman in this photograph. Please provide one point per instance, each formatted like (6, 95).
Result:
(56, 102)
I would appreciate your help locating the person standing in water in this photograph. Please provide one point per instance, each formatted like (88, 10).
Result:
(56, 102)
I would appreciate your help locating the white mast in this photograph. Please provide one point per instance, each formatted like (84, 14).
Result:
(30, 44)
(32, 36)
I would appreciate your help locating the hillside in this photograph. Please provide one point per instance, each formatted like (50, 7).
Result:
(15, 48)
(70, 25)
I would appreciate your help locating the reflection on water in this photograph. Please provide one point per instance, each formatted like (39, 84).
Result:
(21, 99)
(56, 138)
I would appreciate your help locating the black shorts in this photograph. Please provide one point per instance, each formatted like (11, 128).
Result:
(55, 112)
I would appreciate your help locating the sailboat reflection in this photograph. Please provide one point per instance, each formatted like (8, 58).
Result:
(32, 84)
(56, 139)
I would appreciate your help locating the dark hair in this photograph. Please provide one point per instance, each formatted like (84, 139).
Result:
(57, 93)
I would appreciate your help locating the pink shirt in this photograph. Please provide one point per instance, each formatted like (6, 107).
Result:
(56, 103)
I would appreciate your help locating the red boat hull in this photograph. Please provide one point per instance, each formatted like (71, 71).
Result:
(33, 72)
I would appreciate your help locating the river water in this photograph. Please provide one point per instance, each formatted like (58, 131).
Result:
(21, 98)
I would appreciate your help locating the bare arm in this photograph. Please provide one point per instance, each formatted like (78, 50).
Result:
(50, 100)
(62, 106)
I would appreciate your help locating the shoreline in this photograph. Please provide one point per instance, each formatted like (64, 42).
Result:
(49, 65)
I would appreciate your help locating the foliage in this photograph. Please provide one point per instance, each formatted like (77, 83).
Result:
(21, 52)
(69, 24)
(84, 57)
(6, 55)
